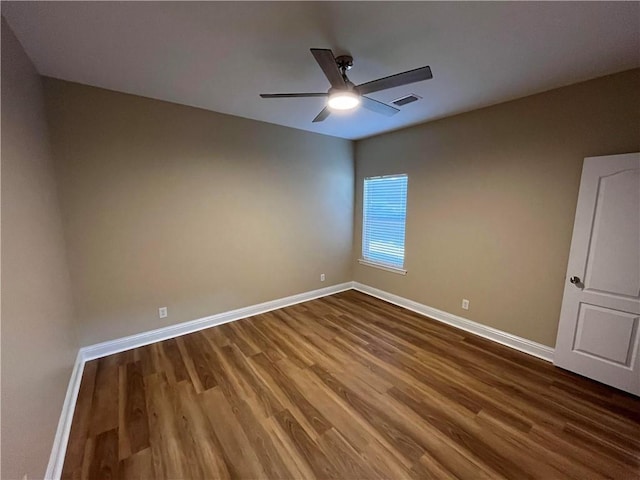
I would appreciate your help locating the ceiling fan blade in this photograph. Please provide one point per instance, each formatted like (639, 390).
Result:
(397, 80)
(378, 107)
(327, 63)
(292, 95)
(324, 113)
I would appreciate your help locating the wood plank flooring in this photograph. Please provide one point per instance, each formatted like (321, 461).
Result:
(346, 387)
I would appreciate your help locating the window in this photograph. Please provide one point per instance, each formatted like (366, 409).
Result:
(384, 218)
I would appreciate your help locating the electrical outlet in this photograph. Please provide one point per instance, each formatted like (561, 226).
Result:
(162, 312)
(322, 277)
(465, 304)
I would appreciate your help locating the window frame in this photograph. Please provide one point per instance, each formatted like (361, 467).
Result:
(363, 260)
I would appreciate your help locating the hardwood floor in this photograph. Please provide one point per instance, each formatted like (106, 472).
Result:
(347, 387)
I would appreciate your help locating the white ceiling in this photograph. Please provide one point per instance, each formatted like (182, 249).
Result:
(221, 55)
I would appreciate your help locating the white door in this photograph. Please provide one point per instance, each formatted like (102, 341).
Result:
(598, 335)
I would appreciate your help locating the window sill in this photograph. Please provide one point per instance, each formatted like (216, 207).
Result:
(381, 266)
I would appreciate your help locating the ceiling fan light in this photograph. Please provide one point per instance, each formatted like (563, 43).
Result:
(343, 100)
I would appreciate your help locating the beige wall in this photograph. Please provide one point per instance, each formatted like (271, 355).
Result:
(38, 343)
(492, 197)
(167, 205)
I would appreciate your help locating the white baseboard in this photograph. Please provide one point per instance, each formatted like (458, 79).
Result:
(56, 459)
(518, 343)
(141, 339)
(91, 352)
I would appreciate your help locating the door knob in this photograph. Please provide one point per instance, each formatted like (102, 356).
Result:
(575, 280)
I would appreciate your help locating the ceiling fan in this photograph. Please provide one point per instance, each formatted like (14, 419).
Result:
(344, 95)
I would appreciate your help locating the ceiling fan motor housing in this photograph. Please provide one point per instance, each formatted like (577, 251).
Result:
(345, 62)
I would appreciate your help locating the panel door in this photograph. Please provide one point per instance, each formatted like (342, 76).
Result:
(598, 335)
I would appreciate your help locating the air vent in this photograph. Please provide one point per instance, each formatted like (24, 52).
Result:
(412, 97)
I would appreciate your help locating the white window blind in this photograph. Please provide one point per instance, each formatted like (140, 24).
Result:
(384, 219)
